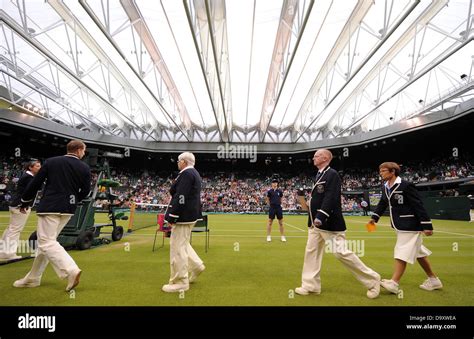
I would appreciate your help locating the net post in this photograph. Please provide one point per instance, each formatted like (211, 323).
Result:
(132, 215)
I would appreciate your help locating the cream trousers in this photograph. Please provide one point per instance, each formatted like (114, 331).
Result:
(183, 258)
(315, 246)
(11, 235)
(49, 249)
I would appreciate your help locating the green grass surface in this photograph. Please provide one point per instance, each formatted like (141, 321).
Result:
(244, 270)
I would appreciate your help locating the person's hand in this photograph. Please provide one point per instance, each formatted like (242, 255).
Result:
(428, 232)
(317, 223)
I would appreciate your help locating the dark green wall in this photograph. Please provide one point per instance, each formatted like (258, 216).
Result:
(452, 208)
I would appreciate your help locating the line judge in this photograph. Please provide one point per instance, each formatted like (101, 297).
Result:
(68, 182)
(327, 226)
(182, 214)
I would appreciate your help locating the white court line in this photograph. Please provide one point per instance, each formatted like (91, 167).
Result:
(304, 236)
(261, 220)
(25, 230)
(466, 235)
(288, 236)
(435, 231)
(302, 230)
(363, 222)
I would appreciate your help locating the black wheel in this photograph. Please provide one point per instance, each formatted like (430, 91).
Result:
(84, 240)
(33, 241)
(117, 233)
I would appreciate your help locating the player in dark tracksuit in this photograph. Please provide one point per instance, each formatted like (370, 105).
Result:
(410, 219)
(274, 196)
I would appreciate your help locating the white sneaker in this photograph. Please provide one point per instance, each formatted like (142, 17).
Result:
(431, 284)
(73, 280)
(283, 238)
(269, 238)
(389, 285)
(194, 274)
(26, 283)
(304, 291)
(174, 288)
(374, 292)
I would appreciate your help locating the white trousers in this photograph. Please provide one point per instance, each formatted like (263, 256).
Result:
(11, 235)
(317, 240)
(49, 249)
(183, 258)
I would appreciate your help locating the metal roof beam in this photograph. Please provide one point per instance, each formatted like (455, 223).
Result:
(141, 28)
(408, 83)
(278, 68)
(358, 13)
(14, 26)
(220, 52)
(108, 35)
(193, 21)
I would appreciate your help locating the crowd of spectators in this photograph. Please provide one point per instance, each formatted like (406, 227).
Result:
(416, 172)
(246, 191)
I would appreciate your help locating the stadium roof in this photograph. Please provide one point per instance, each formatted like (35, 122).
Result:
(246, 71)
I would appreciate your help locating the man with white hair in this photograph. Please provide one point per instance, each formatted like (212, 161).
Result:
(182, 213)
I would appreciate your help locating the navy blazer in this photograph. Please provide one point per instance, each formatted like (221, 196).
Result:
(325, 203)
(407, 212)
(185, 205)
(21, 185)
(68, 181)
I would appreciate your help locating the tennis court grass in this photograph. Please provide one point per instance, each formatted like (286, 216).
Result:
(244, 270)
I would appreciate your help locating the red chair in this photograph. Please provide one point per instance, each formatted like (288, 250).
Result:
(162, 227)
(200, 226)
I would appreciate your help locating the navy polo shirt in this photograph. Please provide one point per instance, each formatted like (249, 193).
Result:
(275, 196)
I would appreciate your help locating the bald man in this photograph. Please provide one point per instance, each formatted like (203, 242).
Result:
(326, 230)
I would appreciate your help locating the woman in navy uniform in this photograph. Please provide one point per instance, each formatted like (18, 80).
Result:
(326, 228)
(410, 219)
(68, 181)
(11, 235)
(274, 196)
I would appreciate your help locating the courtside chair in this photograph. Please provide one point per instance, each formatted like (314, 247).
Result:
(162, 227)
(201, 226)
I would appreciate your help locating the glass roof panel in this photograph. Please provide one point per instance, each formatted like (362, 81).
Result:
(134, 65)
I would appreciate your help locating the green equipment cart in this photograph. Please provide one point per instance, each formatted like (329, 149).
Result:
(81, 231)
